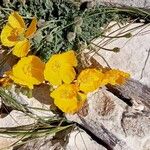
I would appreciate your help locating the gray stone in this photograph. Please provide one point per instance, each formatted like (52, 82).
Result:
(80, 140)
(134, 55)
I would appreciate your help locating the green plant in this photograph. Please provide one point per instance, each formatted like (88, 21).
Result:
(65, 25)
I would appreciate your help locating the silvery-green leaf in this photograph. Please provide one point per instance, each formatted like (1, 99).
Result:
(38, 37)
(78, 29)
(49, 38)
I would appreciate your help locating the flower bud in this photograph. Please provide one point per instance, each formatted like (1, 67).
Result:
(78, 21)
(71, 36)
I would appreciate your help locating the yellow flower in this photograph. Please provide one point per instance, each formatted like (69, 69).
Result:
(115, 77)
(15, 33)
(68, 99)
(89, 80)
(28, 71)
(60, 68)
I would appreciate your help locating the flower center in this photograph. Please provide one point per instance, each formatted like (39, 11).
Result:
(87, 79)
(27, 70)
(16, 35)
(68, 94)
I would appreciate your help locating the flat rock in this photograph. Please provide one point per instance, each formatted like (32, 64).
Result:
(110, 118)
(134, 53)
(80, 140)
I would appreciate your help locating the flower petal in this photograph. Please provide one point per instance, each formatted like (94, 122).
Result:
(67, 98)
(26, 73)
(21, 49)
(64, 91)
(6, 32)
(67, 105)
(67, 74)
(52, 77)
(89, 80)
(115, 77)
(31, 29)
(16, 21)
(18, 76)
(37, 68)
(69, 58)
(52, 70)
(60, 68)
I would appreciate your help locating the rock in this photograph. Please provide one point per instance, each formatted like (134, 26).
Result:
(120, 126)
(39, 104)
(6, 142)
(120, 116)
(0, 102)
(41, 144)
(75, 140)
(134, 55)
(146, 144)
(80, 140)
(15, 118)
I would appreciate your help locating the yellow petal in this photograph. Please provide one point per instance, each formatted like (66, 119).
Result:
(89, 80)
(31, 29)
(52, 71)
(6, 32)
(67, 105)
(22, 81)
(67, 74)
(18, 76)
(37, 69)
(60, 68)
(115, 77)
(64, 91)
(21, 49)
(52, 77)
(16, 21)
(28, 71)
(69, 58)
(67, 98)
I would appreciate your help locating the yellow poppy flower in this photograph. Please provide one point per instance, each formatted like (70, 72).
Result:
(89, 80)
(15, 33)
(28, 71)
(68, 99)
(60, 69)
(115, 77)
